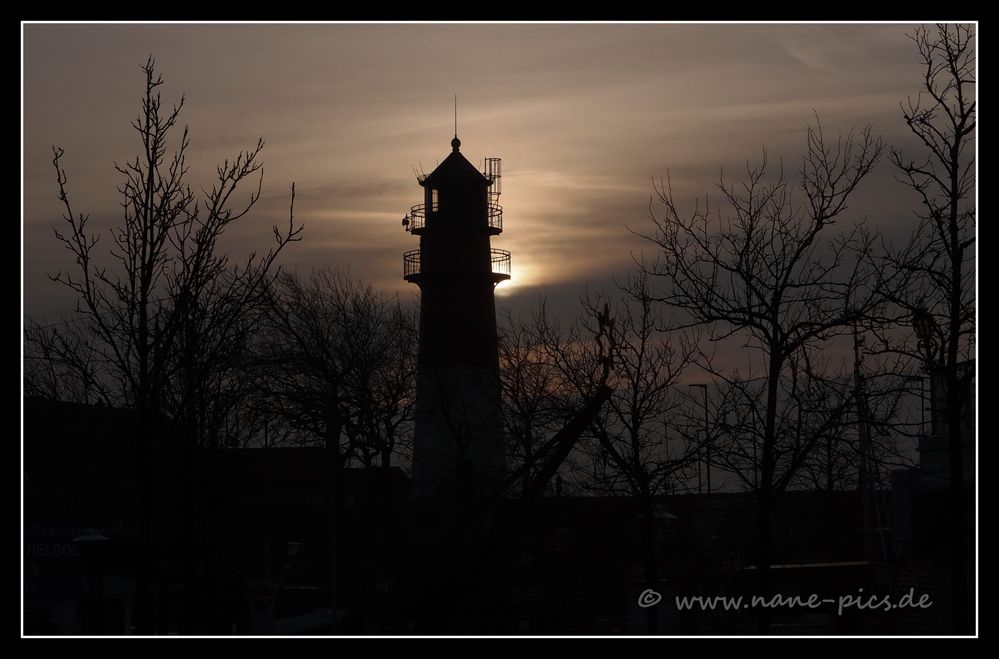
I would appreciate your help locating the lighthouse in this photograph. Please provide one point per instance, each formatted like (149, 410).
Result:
(458, 450)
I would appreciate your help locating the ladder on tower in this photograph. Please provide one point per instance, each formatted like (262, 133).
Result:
(493, 173)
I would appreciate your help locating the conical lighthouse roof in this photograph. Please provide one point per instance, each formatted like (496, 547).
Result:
(455, 170)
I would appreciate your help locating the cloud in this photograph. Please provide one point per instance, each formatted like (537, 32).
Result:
(582, 115)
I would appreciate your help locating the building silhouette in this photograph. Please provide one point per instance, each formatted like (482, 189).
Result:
(458, 443)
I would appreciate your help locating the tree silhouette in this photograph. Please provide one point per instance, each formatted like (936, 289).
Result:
(769, 274)
(336, 363)
(931, 279)
(170, 312)
(631, 450)
(534, 405)
(625, 449)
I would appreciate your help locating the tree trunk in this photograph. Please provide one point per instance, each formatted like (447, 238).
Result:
(764, 503)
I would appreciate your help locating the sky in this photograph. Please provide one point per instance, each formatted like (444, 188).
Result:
(583, 116)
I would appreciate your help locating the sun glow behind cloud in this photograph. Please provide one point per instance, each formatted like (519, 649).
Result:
(583, 117)
(522, 275)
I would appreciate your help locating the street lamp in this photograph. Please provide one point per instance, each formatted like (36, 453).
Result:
(925, 327)
(922, 401)
(707, 443)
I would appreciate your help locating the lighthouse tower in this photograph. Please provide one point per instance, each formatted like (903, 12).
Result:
(458, 441)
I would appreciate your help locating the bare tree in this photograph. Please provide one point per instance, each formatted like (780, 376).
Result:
(632, 451)
(381, 391)
(814, 387)
(60, 363)
(170, 292)
(533, 396)
(336, 362)
(632, 432)
(932, 277)
(576, 362)
(770, 275)
(626, 449)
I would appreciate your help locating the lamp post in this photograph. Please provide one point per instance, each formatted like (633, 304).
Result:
(922, 401)
(707, 442)
(926, 327)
